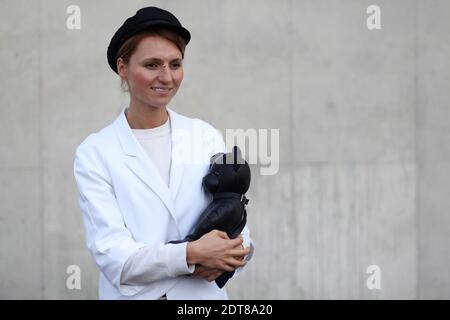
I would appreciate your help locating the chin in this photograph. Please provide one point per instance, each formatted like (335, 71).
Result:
(157, 101)
(159, 104)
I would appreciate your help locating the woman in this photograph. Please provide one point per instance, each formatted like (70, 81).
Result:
(139, 179)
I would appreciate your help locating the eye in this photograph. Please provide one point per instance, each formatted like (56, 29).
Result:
(152, 66)
(175, 66)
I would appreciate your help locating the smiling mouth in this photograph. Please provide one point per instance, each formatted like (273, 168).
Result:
(161, 89)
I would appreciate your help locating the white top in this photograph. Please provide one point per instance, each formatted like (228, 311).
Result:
(158, 146)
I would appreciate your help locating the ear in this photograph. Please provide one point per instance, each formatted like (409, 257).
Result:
(217, 158)
(121, 68)
(211, 182)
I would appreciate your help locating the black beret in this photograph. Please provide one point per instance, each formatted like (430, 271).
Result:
(144, 19)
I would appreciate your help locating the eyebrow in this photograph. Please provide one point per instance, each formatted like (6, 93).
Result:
(160, 60)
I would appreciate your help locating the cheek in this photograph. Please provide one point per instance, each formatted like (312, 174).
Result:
(141, 78)
(178, 77)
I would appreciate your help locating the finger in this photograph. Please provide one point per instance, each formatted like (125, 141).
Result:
(198, 269)
(214, 276)
(227, 267)
(206, 274)
(237, 241)
(240, 258)
(236, 263)
(202, 274)
(239, 252)
(222, 234)
(239, 246)
(219, 233)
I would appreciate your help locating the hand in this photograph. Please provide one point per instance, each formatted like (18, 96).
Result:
(207, 273)
(241, 246)
(215, 250)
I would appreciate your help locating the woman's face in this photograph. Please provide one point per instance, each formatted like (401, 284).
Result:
(154, 71)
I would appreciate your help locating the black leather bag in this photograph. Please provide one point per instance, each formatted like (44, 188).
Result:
(228, 180)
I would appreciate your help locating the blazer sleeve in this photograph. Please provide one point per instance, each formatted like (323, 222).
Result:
(107, 238)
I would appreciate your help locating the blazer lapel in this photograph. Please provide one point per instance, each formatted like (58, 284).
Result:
(143, 167)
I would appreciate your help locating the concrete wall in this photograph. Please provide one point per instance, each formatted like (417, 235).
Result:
(364, 128)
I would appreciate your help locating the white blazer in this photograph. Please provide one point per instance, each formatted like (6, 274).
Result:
(126, 205)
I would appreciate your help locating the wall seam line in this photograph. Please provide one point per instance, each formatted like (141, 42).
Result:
(40, 152)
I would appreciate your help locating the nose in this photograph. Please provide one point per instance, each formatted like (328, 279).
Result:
(165, 74)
